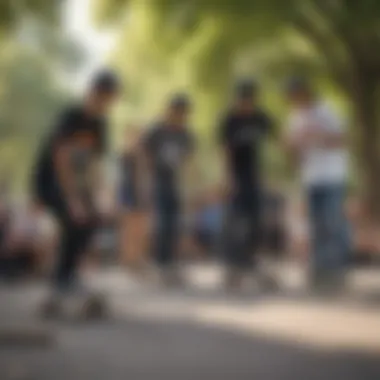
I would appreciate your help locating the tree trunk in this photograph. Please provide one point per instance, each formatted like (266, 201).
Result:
(367, 132)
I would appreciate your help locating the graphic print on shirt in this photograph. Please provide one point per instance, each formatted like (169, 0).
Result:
(171, 154)
(246, 135)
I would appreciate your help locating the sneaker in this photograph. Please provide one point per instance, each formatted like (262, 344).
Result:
(172, 277)
(268, 282)
(51, 308)
(234, 279)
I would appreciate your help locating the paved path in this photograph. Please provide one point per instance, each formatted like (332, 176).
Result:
(201, 333)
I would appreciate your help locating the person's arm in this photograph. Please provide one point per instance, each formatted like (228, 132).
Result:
(145, 163)
(190, 169)
(225, 154)
(290, 143)
(326, 133)
(229, 181)
(63, 145)
(332, 134)
(293, 142)
(143, 170)
(65, 171)
(147, 146)
(269, 127)
(101, 185)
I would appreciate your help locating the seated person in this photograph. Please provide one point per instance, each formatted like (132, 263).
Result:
(29, 241)
(208, 222)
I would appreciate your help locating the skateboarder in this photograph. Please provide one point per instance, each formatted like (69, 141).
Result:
(67, 173)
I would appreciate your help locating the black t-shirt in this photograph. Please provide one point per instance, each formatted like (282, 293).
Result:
(86, 135)
(242, 135)
(168, 149)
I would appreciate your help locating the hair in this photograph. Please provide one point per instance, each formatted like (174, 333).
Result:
(299, 84)
(246, 88)
(180, 102)
(105, 82)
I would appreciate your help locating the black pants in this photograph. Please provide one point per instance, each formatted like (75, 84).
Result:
(19, 264)
(74, 241)
(167, 227)
(242, 233)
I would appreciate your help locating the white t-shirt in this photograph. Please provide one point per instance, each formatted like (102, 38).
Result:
(320, 165)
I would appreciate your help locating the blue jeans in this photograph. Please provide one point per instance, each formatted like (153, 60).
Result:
(330, 232)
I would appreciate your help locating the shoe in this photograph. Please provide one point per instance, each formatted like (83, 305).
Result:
(172, 278)
(234, 279)
(51, 308)
(94, 308)
(268, 282)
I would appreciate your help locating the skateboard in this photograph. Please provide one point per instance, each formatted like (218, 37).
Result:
(77, 307)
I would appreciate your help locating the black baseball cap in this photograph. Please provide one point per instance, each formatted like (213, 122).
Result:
(106, 81)
(180, 102)
(246, 88)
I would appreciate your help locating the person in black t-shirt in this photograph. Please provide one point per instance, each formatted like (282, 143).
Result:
(242, 133)
(168, 146)
(66, 175)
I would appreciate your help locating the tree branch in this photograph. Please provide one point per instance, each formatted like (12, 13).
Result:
(364, 48)
(339, 69)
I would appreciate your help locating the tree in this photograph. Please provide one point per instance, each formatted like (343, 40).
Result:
(29, 98)
(34, 56)
(13, 11)
(210, 34)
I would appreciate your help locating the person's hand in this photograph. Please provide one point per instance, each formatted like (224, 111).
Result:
(106, 214)
(313, 135)
(294, 147)
(305, 138)
(78, 212)
(228, 188)
(104, 210)
(38, 206)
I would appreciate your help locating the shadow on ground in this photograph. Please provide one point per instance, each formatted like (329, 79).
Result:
(133, 349)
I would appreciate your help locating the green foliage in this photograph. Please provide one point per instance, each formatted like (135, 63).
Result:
(168, 45)
(29, 98)
(28, 92)
(202, 45)
(107, 11)
(7, 16)
(13, 11)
